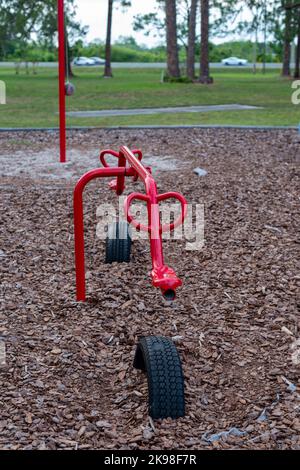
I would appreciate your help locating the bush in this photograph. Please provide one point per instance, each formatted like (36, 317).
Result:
(182, 79)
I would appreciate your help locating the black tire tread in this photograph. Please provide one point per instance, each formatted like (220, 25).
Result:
(118, 243)
(159, 358)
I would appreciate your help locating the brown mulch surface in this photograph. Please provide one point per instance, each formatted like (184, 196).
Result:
(69, 380)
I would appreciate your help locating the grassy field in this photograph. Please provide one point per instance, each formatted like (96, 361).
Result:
(32, 100)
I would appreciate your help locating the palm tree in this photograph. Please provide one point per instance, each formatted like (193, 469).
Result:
(204, 57)
(172, 46)
(192, 40)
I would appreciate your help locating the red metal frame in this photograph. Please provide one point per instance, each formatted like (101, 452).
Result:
(129, 164)
(62, 75)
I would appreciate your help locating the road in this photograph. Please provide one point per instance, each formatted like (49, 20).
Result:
(146, 65)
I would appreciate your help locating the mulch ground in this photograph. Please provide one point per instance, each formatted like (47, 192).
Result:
(69, 383)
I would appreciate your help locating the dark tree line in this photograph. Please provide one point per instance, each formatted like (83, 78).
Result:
(181, 28)
(184, 23)
(172, 45)
(279, 18)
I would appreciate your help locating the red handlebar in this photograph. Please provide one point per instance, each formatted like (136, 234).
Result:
(112, 153)
(162, 197)
(179, 221)
(108, 152)
(131, 220)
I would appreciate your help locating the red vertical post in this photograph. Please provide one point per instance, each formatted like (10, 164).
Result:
(79, 224)
(62, 74)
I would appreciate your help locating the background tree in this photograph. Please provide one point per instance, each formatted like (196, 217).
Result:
(297, 61)
(205, 77)
(288, 37)
(47, 27)
(18, 20)
(261, 22)
(186, 18)
(192, 40)
(172, 46)
(107, 68)
(21, 19)
(111, 4)
(292, 10)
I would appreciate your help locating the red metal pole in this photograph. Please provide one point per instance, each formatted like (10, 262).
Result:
(62, 74)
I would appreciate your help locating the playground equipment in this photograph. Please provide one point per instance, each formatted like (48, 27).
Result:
(69, 89)
(163, 277)
(155, 355)
(62, 76)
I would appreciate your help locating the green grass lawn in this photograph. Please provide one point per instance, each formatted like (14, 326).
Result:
(32, 101)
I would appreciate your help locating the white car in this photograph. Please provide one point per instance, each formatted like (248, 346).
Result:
(234, 61)
(98, 61)
(83, 61)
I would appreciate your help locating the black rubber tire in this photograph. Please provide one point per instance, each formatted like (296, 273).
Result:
(118, 243)
(159, 358)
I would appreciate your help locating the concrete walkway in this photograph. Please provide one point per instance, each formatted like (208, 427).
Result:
(146, 111)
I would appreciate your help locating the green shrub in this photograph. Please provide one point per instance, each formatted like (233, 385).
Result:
(182, 79)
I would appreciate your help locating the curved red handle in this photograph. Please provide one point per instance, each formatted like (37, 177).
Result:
(179, 221)
(107, 152)
(130, 219)
(112, 153)
(162, 197)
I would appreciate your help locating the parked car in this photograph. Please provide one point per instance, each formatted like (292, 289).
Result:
(83, 61)
(98, 61)
(234, 61)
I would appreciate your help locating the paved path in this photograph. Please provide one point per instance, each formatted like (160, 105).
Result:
(145, 111)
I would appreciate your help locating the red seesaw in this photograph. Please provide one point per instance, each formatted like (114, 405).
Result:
(129, 165)
(155, 355)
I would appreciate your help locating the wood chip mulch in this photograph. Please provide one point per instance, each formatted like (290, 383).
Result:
(68, 382)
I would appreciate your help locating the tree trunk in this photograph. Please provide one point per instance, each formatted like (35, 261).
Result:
(286, 70)
(265, 37)
(69, 71)
(297, 62)
(192, 40)
(204, 57)
(172, 46)
(107, 69)
(17, 66)
(255, 52)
